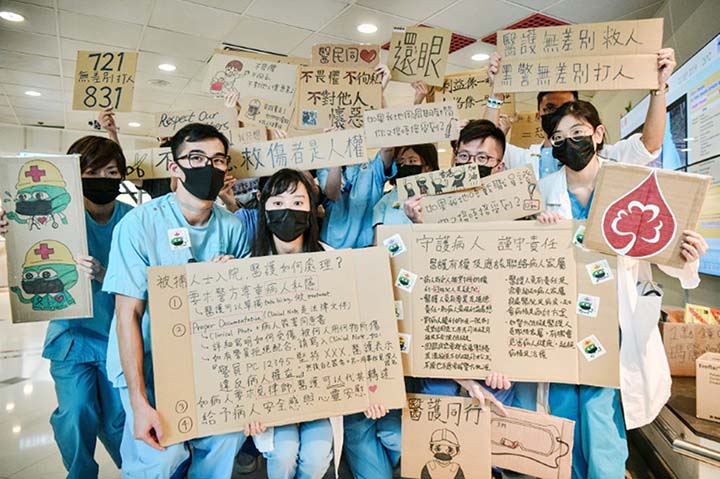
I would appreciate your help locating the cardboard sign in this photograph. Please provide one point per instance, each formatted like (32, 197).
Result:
(43, 202)
(641, 212)
(345, 55)
(336, 97)
(445, 436)
(256, 111)
(148, 163)
(531, 443)
(419, 53)
(335, 148)
(508, 195)
(280, 340)
(684, 343)
(167, 123)
(526, 130)
(249, 134)
(268, 77)
(104, 79)
(470, 91)
(694, 313)
(412, 125)
(502, 295)
(457, 178)
(595, 56)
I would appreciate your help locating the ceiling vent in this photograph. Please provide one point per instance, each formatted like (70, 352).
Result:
(456, 42)
(533, 21)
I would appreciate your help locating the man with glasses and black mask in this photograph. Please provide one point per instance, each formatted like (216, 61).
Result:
(631, 150)
(174, 229)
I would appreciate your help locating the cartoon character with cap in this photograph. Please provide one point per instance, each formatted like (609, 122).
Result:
(40, 197)
(224, 81)
(48, 273)
(253, 109)
(445, 446)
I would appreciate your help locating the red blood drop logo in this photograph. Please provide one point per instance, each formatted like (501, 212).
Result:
(640, 223)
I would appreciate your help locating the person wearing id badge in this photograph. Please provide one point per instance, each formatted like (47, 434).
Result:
(175, 229)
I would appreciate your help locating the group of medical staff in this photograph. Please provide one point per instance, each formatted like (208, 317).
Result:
(102, 366)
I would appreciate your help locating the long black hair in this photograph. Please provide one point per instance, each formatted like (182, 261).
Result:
(285, 180)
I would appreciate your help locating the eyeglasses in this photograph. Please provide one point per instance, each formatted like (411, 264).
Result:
(576, 134)
(463, 158)
(199, 160)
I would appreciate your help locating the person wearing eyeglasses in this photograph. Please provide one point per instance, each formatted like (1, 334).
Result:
(174, 229)
(640, 148)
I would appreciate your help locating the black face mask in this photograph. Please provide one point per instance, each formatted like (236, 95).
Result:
(575, 154)
(101, 191)
(203, 183)
(42, 286)
(287, 224)
(408, 170)
(441, 456)
(546, 121)
(484, 170)
(34, 208)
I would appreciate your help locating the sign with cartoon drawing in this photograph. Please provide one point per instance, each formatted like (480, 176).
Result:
(461, 177)
(42, 198)
(641, 212)
(445, 437)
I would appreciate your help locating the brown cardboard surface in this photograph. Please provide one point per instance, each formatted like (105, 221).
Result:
(252, 75)
(509, 195)
(708, 387)
(217, 115)
(502, 296)
(684, 343)
(279, 340)
(636, 193)
(148, 163)
(470, 91)
(335, 148)
(41, 243)
(439, 182)
(457, 424)
(104, 79)
(526, 130)
(531, 443)
(260, 112)
(419, 53)
(348, 55)
(334, 96)
(412, 125)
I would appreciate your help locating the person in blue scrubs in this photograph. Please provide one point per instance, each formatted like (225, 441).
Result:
(88, 406)
(288, 224)
(181, 227)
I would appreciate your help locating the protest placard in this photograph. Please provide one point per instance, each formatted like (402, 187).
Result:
(336, 97)
(345, 55)
(457, 178)
(148, 163)
(43, 202)
(526, 130)
(642, 212)
(280, 340)
(419, 53)
(104, 80)
(508, 195)
(167, 123)
(470, 91)
(335, 148)
(594, 56)
(515, 296)
(412, 125)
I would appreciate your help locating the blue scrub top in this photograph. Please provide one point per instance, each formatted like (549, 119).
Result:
(348, 221)
(249, 218)
(389, 211)
(141, 240)
(578, 211)
(548, 163)
(85, 340)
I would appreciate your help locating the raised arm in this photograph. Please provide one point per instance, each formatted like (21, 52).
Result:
(654, 129)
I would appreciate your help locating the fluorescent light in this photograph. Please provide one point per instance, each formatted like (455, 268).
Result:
(16, 429)
(367, 28)
(480, 57)
(441, 150)
(28, 389)
(167, 67)
(12, 16)
(10, 406)
(134, 124)
(33, 93)
(688, 139)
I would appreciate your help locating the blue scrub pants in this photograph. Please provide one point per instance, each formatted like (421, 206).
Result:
(213, 457)
(372, 447)
(600, 445)
(302, 451)
(88, 408)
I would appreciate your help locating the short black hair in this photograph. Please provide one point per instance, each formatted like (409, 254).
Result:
(196, 132)
(542, 94)
(97, 152)
(583, 110)
(480, 129)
